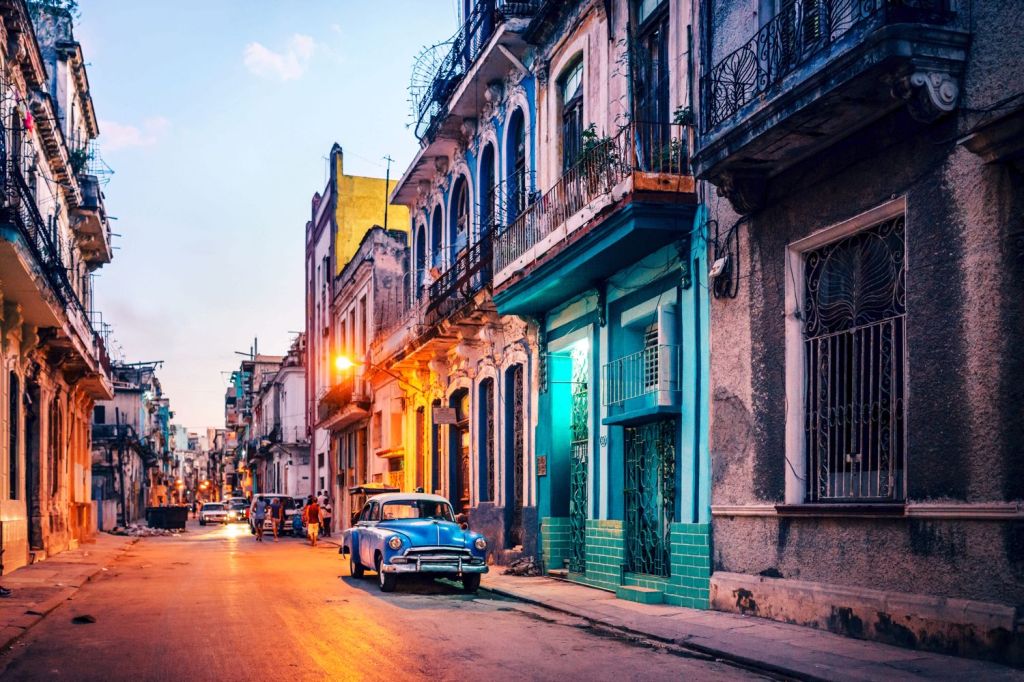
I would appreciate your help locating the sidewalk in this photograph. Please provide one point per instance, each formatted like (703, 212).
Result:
(788, 650)
(42, 587)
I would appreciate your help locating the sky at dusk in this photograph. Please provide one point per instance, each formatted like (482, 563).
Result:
(216, 117)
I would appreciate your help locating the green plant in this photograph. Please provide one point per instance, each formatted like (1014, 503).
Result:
(683, 115)
(78, 158)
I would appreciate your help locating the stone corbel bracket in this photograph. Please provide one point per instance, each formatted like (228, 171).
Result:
(929, 94)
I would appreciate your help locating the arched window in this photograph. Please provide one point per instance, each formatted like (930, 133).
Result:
(516, 170)
(459, 227)
(421, 259)
(436, 230)
(488, 190)
(570, 84)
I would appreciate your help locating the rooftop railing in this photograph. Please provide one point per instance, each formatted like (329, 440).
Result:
(659, 148)
(801, 30)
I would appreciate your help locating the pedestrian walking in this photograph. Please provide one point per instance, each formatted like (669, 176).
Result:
(312, 515)
(275, 515)
(326, 511)
(259, 515)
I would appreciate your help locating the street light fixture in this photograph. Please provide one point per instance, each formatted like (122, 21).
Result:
(343, 362)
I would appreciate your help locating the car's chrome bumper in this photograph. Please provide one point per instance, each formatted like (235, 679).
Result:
(454, 566)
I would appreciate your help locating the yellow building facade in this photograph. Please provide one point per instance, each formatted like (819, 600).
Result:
(360, 206)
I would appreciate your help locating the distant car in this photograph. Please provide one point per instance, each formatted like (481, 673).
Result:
(238, 512)
(213, 512)
(399, 533)
(268, 523)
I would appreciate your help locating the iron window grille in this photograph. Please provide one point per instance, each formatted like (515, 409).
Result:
(854, 340)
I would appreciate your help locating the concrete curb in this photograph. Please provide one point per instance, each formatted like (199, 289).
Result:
(35, 614)
(703, 651)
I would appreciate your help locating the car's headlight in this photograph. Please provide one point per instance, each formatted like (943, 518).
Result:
(480, 544)
(395, 542)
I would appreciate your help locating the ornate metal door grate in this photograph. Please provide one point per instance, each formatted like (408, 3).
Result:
(517, 455)
(650, 496)
(580, 448)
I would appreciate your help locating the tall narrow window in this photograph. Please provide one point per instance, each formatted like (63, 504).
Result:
(13, 435)
(854, 340)
(421, 260)
(571, 85)
(487, 190)
(651, 66)
(517, 187)
(436, 230)
(459, 227)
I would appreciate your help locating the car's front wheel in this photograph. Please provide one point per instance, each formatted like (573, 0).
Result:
(201, 522)
(387, 581)
(471, 582)
(355, 568)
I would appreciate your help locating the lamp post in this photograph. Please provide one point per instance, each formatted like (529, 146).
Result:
(343, 363)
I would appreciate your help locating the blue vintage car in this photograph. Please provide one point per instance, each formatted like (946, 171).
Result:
(400, 533)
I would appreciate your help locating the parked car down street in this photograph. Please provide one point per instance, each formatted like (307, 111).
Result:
(400, 533)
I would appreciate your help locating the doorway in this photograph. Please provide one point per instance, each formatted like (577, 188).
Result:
(33, 466)
(458, 451)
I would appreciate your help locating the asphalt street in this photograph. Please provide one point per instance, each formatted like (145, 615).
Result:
(214, 604)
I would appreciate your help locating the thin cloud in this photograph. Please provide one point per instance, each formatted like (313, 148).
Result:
(286, 65)
(122, 136)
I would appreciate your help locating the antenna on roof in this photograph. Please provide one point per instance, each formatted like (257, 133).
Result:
(387, 185)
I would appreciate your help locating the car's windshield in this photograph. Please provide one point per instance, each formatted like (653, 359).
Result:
(416, 509)
(213, 507)
(239, 506)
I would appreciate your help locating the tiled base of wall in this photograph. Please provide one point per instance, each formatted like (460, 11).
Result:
(690, 568)
(554, 541)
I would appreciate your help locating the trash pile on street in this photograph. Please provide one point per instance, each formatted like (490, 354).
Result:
(136, 531)
(527, 566)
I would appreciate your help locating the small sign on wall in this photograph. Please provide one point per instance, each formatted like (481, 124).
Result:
(444, 415)
(542, 465)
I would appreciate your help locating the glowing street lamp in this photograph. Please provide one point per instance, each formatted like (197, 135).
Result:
(343, 362)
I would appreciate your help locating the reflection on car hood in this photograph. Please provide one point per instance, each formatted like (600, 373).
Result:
(428, 532)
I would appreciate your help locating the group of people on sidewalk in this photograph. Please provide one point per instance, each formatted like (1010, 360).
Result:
(316, 516)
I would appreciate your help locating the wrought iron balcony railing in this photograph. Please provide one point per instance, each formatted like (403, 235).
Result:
(638, 147)
(801, 30)
(429, 106)
(653, 370)
(21, 210)
(470, 273)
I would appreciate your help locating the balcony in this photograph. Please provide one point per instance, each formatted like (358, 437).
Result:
(444, 71)
(458, 285)
(629, 195)
(37, 279)
(343, 403)
(91, 225)
(815, 73)
(642, 385)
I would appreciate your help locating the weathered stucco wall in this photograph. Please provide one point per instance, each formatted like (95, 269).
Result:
(965, 369)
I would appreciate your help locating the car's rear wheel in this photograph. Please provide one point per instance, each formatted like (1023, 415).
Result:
(354, 567)
(471, 582)
(387, 581)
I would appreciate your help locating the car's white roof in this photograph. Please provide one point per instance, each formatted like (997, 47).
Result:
(405, 497)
